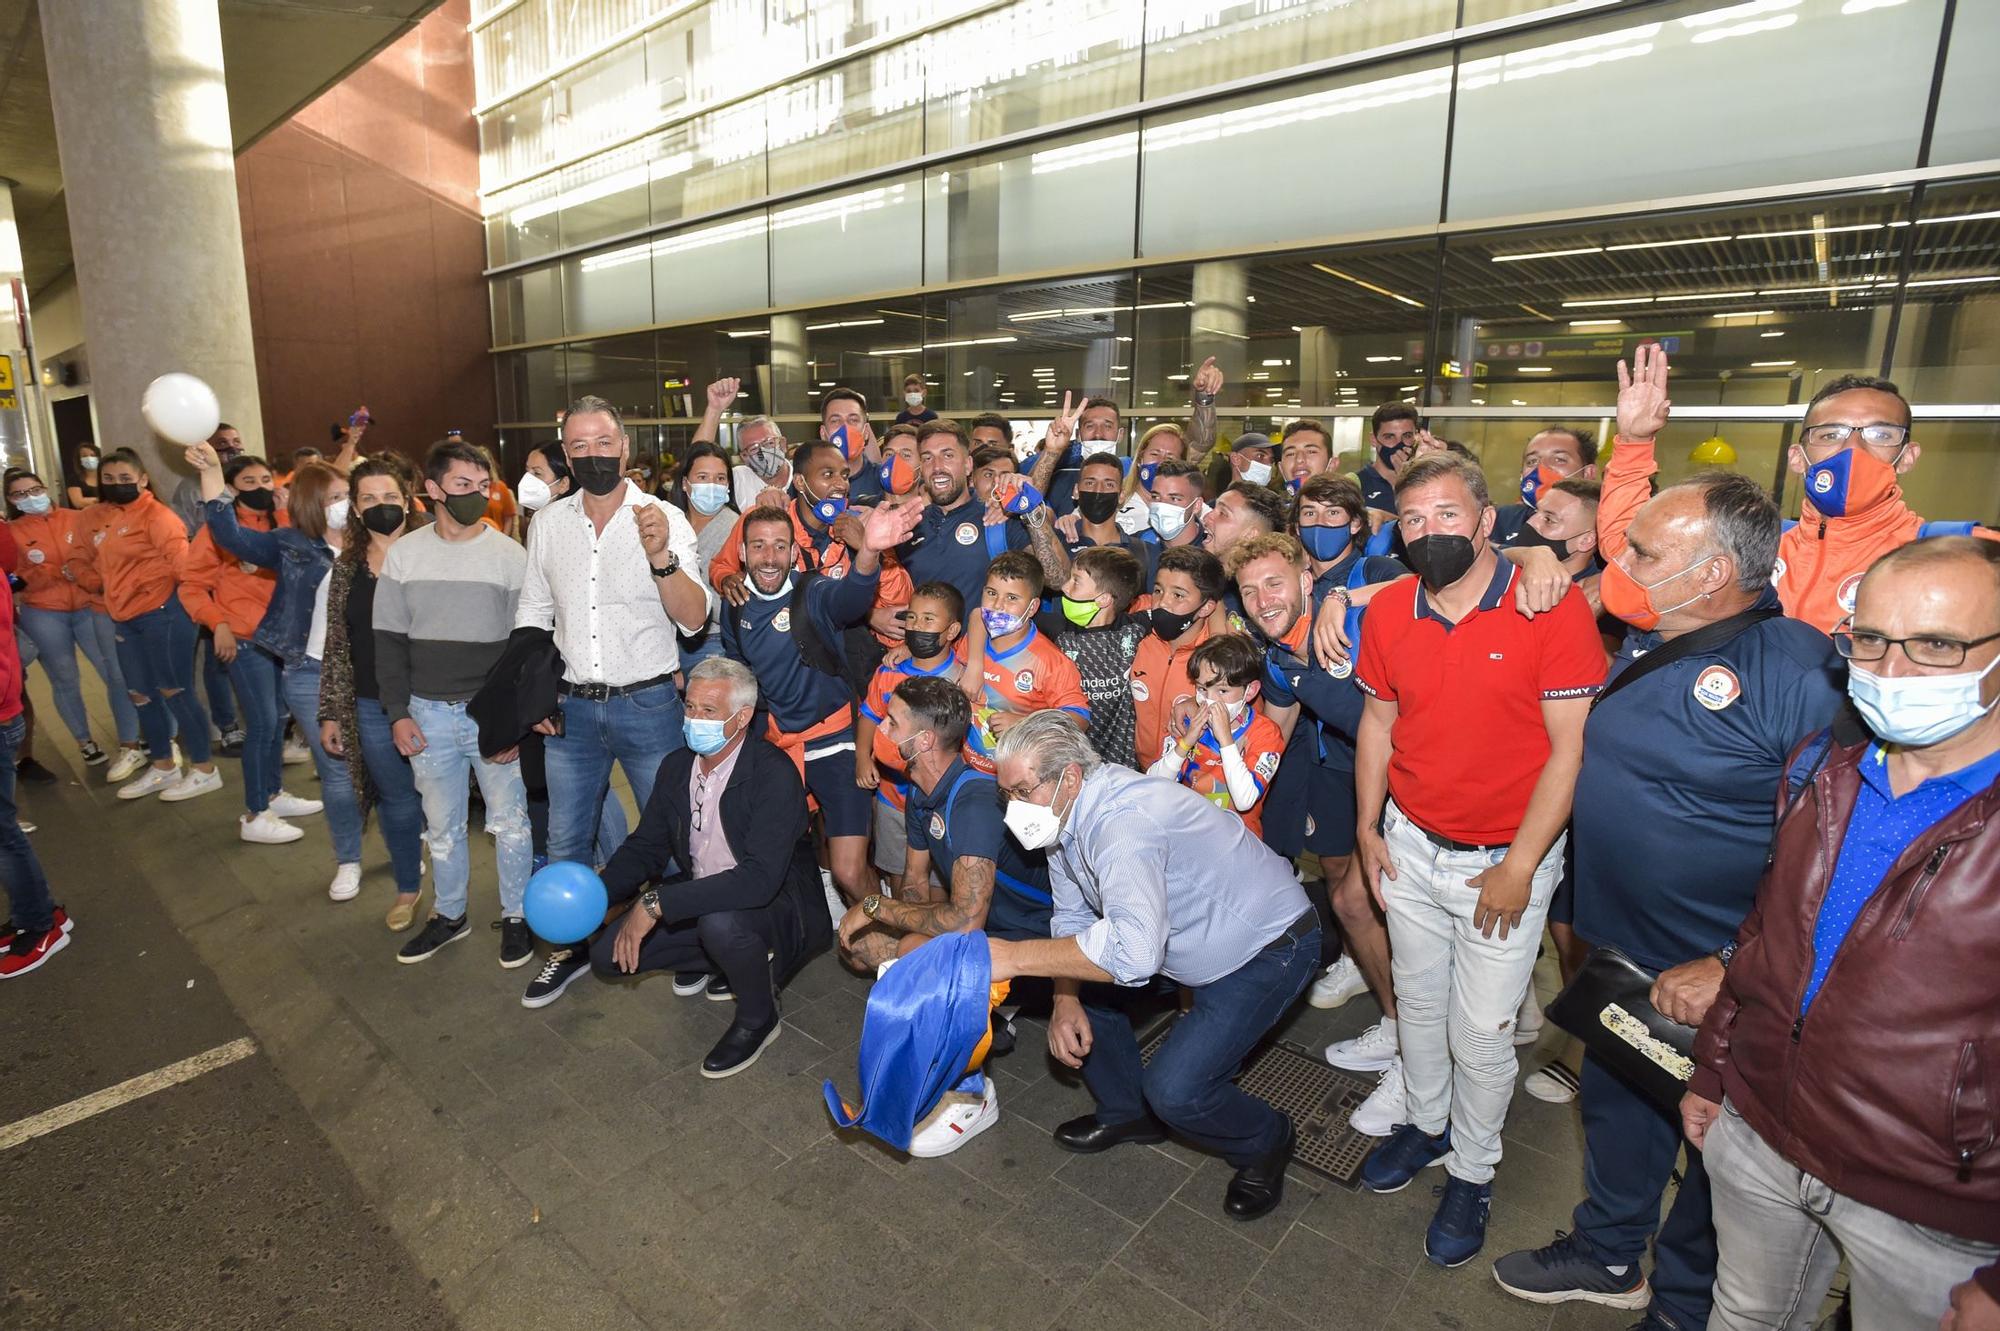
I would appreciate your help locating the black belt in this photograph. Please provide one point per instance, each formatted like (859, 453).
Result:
(1298, 929)
(1446, 843)
(600, 692)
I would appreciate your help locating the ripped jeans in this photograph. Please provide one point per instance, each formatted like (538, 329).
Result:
(451, 752)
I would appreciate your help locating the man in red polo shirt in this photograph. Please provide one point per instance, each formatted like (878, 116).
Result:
(1466, 756)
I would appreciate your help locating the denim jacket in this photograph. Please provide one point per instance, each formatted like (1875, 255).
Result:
(300, 561)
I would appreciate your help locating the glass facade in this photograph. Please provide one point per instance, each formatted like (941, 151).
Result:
(1476, 205)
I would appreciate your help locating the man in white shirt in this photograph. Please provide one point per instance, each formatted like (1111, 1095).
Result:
(612, 571)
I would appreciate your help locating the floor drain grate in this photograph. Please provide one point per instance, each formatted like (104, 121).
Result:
(1317, 1097)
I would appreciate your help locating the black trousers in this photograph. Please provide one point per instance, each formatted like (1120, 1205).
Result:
(736, 942)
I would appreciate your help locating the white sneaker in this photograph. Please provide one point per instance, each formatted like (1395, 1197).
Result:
(346, 882)
(191, 784)
(1384, 1110)
(1528, 1021)
(1370, 1051)
(957, 1120)
(293, 806)
(266, 829)
(295, 752)
(155, 779)
(1554, 1084)
(1341, 982)
(836, 905)
(125, 765)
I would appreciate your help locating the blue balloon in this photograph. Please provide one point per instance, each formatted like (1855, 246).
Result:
(565, 902)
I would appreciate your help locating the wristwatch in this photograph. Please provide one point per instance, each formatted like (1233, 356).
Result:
(871, 905)
(1037, 516)
(1726, 953)
(673, 566)
(650, 903)
(1204, 399)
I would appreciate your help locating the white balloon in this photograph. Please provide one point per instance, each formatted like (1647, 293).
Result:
(181, 407)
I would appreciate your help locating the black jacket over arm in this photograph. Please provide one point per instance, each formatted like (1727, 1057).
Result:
(765, 821)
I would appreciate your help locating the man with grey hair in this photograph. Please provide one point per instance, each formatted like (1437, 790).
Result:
(1151, 879)
(1682, 757)
(731, 808)
(613, 572)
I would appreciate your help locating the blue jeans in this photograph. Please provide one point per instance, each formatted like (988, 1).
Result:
(451, 752)
(638, 729)
(1630, 1145)
(336, 787)
(215, 682)
(396, 802)
(255, 673)
(100, 643)
(156, 652)
(27, 890)
(1187, 1085)
(52, 638)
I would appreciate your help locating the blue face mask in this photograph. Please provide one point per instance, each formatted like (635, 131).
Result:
(1387, 453)
(708, 497)
(705, 737)
(1326, 544)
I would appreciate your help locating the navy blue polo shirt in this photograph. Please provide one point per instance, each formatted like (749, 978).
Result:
(963, 816)
(1330, 698)
(1377, 491)
(1508, 522)
(955, 546)
(761, 635)
(1679, 787)
(865, 486)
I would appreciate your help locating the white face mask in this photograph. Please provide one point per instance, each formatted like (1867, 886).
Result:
(1094, 447)
(1257, 473)
(1035, 826)
(1169, 520)
(336, 517)
(913, 400)
(533, 492)
(1233, 709)
(1918, 710)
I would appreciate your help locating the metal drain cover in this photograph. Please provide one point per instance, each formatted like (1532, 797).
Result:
(1316, 1096)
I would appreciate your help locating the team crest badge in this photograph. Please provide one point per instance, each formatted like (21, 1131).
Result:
(967, 533)
(782, 621)
(1024, 681)
(1139, 690)
(1848, 587)
(1717, 687)
(937, 827)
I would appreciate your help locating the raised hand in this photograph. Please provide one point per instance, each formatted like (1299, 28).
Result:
(201, 456)
(1208, 379)
(723, 392)
(1643, 404)
(1063, 427)
(885, 527)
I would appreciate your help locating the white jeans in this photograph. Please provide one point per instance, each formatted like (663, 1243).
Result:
(1458, 992)
(1780, 1233)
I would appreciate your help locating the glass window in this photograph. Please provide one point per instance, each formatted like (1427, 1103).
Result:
(867, 240)
(1613, 110)
(621, 370)
(863, 114)
(604, 100)
(1753, 305)
(1061, 203)
(602, 297)
(1017, 349)
(1035, 63)
(1968, 114)
(868, 348)
(1195, 44)
(704, 271)
(1948, 340)
(692, 358)
(532, 386)
(521, 222)
(511, 50)
(517, 137)
(527, 306)
(1955, 479)
(1352, 153)
(607, 195)
(709, 163)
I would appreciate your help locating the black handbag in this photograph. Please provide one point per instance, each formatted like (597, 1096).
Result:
(1609, 1007)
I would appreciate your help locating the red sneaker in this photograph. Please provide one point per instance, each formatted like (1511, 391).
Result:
(9, 929)
(26, 953)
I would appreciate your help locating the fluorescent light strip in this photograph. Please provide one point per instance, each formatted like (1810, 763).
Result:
(1534, 369)
(1709, 295)
(1615, 300)
(1547, 254)
(1367, 286)
(1595, 323)
(1810, 231)
(1741, 314)
(1667, 244)
(1771, 364)
(955, 342)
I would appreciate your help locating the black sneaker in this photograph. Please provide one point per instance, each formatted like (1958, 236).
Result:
(231, 743)
(719, 990)
(1003, 1034)
(92, 755)
(30, 770)
(560, 971)
(437, 931)
(1568, 1270)
(517, 945)
(689, 983)
(738, 1049)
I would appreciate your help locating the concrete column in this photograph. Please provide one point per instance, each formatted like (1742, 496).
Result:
(149, 175)
(789, 380)
(1218, 325)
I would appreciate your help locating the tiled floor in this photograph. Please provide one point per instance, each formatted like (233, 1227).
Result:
(570, 1167)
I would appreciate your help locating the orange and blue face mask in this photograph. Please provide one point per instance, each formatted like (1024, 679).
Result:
(898, 477)
(1536, 481)
(1851, 481)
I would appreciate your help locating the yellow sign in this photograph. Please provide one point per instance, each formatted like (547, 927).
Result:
(8, 402)
(6, 374)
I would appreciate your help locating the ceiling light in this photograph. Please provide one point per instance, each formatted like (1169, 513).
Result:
(1665, 244)
(1772, 333)
(1615, 300)
(1517, 402)
(1741, 314)
(749, 332)
(1595, 323)
(845, 323)
(1771, 364)
(1479, 402)
(1535, 369)
(1808, 231)
(1366, 286)
(1177, 378)
(1547, 254)
(1407, 388)
(1709, 295)
(1955, 281)
(1383, 360)
(1955, 217)
(1274, 362)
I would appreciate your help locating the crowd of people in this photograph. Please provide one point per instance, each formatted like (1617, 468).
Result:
(1177, 723)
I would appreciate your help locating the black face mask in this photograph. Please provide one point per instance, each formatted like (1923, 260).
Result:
(383, 519)
(1530, 536)
(258, 501)
(922, 644)
(597, 475)
(1441, 560)
(121, 492)
(1097, 506)
(466, 509)
(1170, 625)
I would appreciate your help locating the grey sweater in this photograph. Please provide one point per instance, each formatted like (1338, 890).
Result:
(443, 610)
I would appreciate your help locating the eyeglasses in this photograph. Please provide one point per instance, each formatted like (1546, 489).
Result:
(1878, 435)
(1942, 653)
(700, 796)
(26, 494)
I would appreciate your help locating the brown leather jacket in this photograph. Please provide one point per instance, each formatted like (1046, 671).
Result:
(1889, 1089)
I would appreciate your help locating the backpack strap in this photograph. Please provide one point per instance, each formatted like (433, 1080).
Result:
(1026, 891)
(996, 540)
(1933, 529)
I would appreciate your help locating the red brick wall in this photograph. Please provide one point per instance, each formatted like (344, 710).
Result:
(362, 236)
